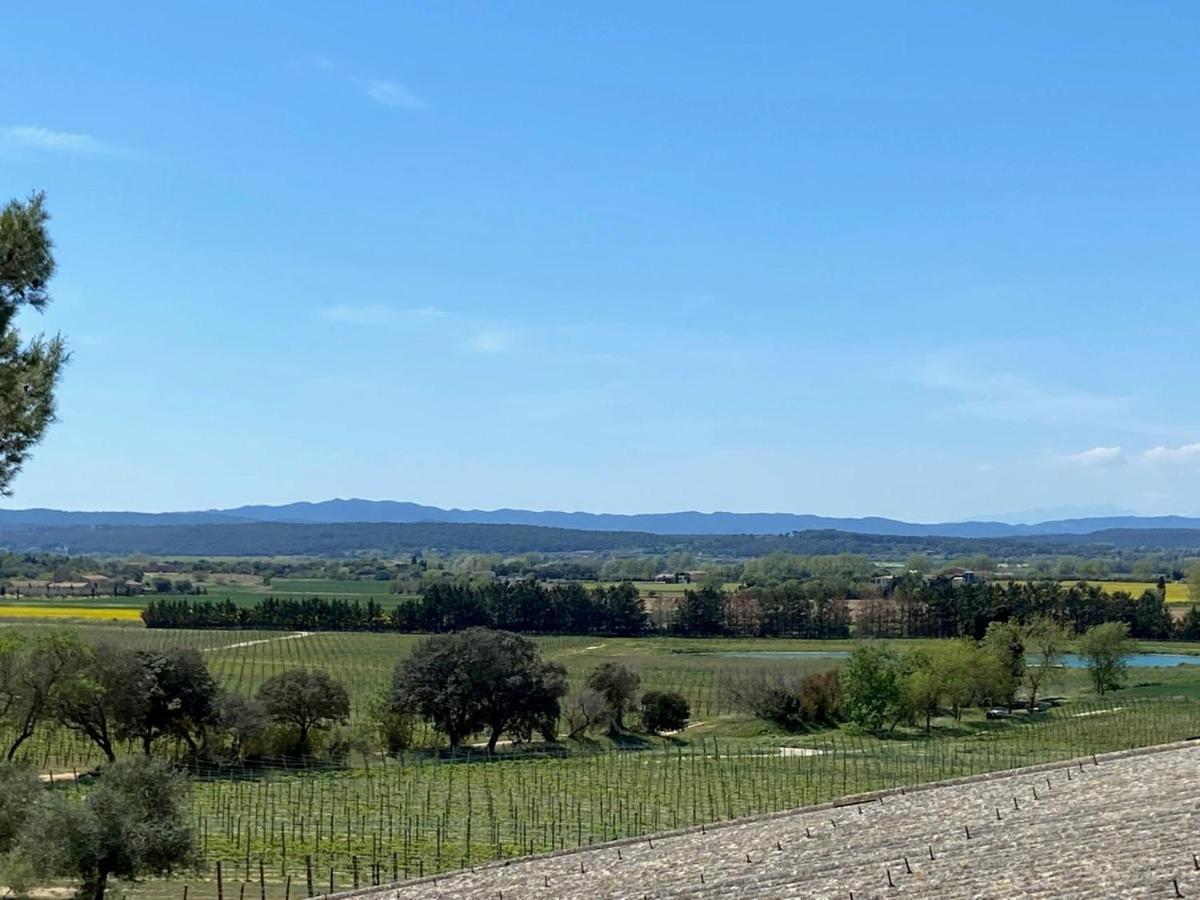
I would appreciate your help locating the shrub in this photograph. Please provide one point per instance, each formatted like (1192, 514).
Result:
(664, 711)
(821, 697)
(19, 789)
(793, 702)
(618, 685)
(586, 710)
(395, 728)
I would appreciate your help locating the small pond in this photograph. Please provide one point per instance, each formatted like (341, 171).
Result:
(1071, 660)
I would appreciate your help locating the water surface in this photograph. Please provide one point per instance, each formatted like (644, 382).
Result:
(1070, 660)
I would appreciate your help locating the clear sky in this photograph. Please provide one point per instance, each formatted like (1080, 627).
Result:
(926, 260)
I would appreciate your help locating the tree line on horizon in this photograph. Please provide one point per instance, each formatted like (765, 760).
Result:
(269, 539)
(912, 608)
(527, 606)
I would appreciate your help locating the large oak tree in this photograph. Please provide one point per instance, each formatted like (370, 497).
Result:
(480, 680)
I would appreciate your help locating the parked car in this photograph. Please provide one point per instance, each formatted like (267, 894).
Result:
(997, 712)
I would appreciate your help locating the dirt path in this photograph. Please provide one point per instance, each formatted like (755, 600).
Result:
(1098, 712)
(286, 637)
(59, 777)
(42, 893)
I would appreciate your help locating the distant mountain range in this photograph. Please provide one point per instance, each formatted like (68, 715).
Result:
(676, 523)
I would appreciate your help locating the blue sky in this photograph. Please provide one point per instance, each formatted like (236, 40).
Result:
(929, 261)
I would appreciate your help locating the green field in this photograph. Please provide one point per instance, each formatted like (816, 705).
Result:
(249, 594)
(245, 592)
(326, 587)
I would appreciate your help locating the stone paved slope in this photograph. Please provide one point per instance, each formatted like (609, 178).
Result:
(1125, 827)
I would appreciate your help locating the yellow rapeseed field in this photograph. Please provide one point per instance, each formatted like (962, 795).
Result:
(118, 614)
(1177, 591)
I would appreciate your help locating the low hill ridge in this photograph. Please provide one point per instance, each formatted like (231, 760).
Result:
(355, 510)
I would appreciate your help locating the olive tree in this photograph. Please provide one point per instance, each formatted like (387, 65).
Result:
(19, 790)
(132, 822)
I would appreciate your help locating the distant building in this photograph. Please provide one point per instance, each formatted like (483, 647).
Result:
(98, 584)
(968, 577)
(960, 575)
(681, 577)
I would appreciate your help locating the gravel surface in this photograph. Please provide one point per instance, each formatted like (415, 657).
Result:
(1125, 826)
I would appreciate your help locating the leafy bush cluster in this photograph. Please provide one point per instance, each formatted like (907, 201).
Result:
(883, 688)
(113, 695)
(794, 702)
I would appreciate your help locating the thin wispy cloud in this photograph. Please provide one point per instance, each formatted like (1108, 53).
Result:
(1098, 456)
(469, 335)
(1004, 397)
(35, 137)
(392, 93)
(475, 335)
(381, 314)
(490, 340)
(384, 91)
(1187, 453)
